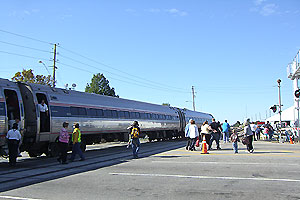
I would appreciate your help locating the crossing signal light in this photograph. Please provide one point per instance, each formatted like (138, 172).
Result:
(297, 93)
(274, 108)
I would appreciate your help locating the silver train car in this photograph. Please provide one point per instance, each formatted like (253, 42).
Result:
(100, 117)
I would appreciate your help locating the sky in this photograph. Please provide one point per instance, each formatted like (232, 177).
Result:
(232, 52)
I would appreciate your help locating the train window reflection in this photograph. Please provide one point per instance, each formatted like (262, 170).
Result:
(74, 111)
(58, 111)
(114, 114)
(121, 114)
(127, 115)
(137, 115)
(81, 111)
(2, 109)
(107, 113)
(100, 112)
(92, 112)
(143, 115)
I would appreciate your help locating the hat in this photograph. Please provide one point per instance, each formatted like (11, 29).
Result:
(135, 123)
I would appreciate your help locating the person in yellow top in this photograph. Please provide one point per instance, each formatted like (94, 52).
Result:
(76, 140)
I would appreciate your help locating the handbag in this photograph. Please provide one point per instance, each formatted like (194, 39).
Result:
(245, 140)
(197, 142)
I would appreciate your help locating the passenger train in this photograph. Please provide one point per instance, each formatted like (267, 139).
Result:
(99, 116)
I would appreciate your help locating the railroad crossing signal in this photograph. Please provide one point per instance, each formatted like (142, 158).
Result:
(274, 108)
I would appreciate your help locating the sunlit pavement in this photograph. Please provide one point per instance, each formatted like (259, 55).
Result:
(271, 172)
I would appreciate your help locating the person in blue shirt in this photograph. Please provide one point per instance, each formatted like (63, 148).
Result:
(225, 130)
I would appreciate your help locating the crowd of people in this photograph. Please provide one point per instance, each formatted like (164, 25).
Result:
(216, 132)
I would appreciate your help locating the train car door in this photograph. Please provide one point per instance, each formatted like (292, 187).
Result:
(44, 109)
(12, 106)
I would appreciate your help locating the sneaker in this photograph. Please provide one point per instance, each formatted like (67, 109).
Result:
(219, 148)
(59, 160)
(82, 159)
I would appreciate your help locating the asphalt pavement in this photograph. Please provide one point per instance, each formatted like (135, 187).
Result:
(167, 171)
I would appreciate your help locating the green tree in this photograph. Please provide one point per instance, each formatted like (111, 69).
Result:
(166, 104)
(29, 77)
(100, 85)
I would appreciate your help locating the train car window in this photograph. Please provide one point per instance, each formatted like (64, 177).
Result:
(132, 115)
(155, 116)
(92, 112)
(74, 111)
(137, 115)
(82, 111)
(114, 114)
(149, 116)
(59, 111)
(127, 116)
(143, 115)
(121, 114)
(2, 109)
(107, 113)
(100, 113)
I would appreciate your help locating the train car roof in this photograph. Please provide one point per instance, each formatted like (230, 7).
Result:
(190, 113)
(64, 96)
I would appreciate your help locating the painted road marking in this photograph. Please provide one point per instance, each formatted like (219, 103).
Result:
(226, 163)
(225, 154)
(17, 198)
(207, 177)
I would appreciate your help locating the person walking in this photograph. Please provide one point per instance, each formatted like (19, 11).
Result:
(215, 135)
(14, 138)
(206, 131)
(63, 143)
(194, 134)
(253, 127)
(134, 132)
(225, 130)
(76, 140)
(249, 134)
(187, 135)
(234, 139)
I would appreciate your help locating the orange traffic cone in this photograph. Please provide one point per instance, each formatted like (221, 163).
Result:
(291, 141)
(204, 146)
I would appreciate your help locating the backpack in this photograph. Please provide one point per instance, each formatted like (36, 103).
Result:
(135, 132)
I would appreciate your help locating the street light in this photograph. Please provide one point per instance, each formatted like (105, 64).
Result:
(44, 66)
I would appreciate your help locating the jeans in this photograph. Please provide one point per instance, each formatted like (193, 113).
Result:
(192, 144)
(13, 151)
(188, 143)
(250, 145)
(235, 147)
(216, 137)
(135, 144)
(226, 136)
(76, 150)
(63, 149)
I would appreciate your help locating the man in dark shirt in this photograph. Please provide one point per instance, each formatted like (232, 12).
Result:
(215, 135)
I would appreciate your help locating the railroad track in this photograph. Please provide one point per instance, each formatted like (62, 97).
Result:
(15, 178)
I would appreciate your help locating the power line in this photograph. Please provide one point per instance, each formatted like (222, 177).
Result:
(77, 61)
(23, 55)
(26, 47)
(30, 38)
(118, 70)
(132, 83)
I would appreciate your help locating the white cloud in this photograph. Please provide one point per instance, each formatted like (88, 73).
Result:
(176, 12)
(26, 12)
(268, 9)
(259, 2)
(130, 10)
(154, 10)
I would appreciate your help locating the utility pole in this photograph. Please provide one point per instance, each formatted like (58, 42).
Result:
(54, 66)
(193, 92)
(279, 81)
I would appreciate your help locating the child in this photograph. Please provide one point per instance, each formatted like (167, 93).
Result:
(234, 139)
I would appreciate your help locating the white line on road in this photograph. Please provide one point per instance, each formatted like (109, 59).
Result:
(206, 177)
(17, 198)
(226, 163)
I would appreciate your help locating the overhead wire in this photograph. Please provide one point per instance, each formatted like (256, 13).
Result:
(23, 36)
(146, 86)
(25, 47)
(118, 70)
(135, 82)
(22, 55)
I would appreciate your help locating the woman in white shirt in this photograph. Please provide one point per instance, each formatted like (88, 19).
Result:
(194, 134)
(14, 138)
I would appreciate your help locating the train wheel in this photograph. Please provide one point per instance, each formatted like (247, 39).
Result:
(53, 149)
